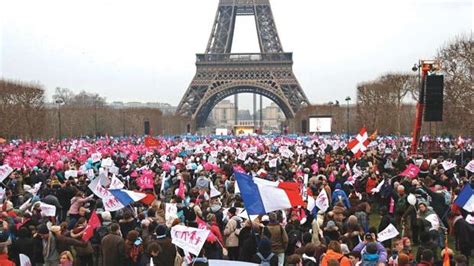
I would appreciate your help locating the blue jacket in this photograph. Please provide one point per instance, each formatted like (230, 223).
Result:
(340, 193)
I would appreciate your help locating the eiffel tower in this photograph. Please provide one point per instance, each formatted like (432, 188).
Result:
(221, 73)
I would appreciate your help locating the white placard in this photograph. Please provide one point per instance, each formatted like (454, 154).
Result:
(272, 163)
(470, 166)
(470, 219)
(322, 201)
(47, 210)
(287, 153)
(388, 233)
(5, 171)
(242, 156)
(114, 170)
(447, 165)
(107, 162)
(90, 174)
(188, 238)
(96, 157)
(24, 260)
(171, 211)
(115, 183)
(70, 173)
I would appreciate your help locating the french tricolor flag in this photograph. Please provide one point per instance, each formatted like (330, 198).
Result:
(262, 196)
(465, 198)
(127, 197)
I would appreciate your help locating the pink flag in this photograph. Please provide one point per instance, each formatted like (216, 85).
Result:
(181, 189)
(315, 168)
(411, 171)
(203, 225)
(332, 178)
(145, 180)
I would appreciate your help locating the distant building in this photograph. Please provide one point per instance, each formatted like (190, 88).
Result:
(223, 116)
(166, 108)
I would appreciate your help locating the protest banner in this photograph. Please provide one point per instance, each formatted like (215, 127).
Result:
(388, 233)
(171, 211)
(47, 210)
(5, 171)
(188, 238)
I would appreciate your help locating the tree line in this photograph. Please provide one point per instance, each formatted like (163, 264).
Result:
(25, 114)
(388, 102)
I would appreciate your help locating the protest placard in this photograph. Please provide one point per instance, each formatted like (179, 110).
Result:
(5, 171)
(388, 233)
(188, 238)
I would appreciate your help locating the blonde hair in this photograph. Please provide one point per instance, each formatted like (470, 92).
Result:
(68, 255)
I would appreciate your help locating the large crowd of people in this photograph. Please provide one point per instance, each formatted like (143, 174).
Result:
(190, 181)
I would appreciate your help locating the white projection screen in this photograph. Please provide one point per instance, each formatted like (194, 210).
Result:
(320, 124)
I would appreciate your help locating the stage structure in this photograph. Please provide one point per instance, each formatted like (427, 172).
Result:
(221, 73)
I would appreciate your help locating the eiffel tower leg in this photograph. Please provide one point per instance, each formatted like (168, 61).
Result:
(236, 110)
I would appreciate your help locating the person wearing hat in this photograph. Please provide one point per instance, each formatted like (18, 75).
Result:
(331, 232)
(231, 233)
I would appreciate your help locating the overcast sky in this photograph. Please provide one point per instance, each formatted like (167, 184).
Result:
(145, 50)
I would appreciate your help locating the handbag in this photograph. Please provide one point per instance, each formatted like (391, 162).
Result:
(178, 260)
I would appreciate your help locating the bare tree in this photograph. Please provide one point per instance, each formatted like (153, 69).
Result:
(21, 109)
(457, 61)
(398, 86)
(64, 94)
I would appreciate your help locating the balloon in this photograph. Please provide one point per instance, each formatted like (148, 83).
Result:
(411, 199)
(89, 161)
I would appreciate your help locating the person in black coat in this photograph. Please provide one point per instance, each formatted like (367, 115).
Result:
(24, 244)
(152, 252)
(464, 234)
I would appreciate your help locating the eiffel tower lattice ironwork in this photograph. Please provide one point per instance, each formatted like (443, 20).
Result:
(221, 73)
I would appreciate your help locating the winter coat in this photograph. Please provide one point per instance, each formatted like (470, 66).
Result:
(168, 252)
(279, 238)
(332, 255)
(340, 194)
(381, 251)
(315, 233)
(231, 233)
(4, 261)
(113, 250)
(64, 243)
(23, 245)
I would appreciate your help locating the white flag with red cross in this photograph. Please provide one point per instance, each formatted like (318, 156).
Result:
(359, 144)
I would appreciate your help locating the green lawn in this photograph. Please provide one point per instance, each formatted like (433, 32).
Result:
(375, 220)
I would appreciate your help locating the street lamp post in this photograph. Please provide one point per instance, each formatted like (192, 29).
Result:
(348, 99)
(59, 102)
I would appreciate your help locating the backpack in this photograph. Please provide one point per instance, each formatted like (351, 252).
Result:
(135, 252)
(369, 263)
(265, 261)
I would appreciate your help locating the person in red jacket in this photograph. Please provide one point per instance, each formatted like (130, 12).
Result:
(4, 243)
